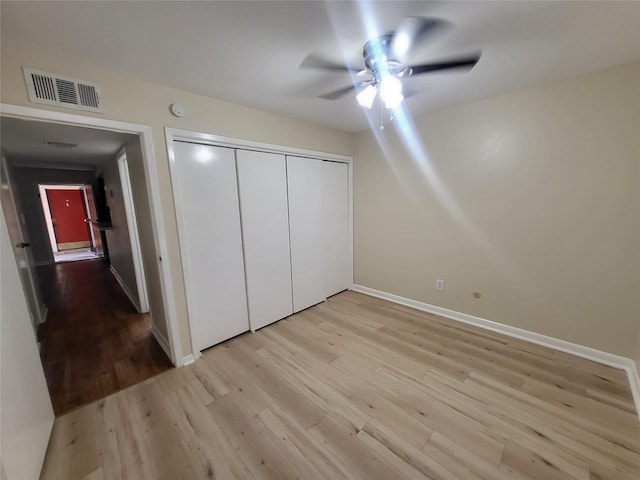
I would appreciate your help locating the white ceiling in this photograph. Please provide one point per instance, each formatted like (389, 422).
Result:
(249, 52)
(25, 143)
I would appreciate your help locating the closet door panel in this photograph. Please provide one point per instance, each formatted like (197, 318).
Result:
(338, 265)
(305, 187)
(262, 181)
(206, 199)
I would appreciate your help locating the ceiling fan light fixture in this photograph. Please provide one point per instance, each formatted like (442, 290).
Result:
(391, 91)
(367, 96)
(386, 60)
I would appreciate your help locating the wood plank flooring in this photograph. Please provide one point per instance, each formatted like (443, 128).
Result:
(360, 388)
(93, 343)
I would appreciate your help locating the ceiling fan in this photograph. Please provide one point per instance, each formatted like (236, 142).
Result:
(385, 63)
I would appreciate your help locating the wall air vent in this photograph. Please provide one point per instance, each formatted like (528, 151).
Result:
(53, 89)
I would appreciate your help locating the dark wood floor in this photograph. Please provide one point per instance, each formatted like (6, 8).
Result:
(93, 343)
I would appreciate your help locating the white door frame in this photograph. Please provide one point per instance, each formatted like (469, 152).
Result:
(144, 132)
(173, 134)
(132, 225)
(42, 188)
(37, 309)
(88, 212)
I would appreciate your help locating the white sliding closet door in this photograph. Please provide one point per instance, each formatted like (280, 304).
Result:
(337, 257)
(206, 199)
(305, 187)
(262, 181)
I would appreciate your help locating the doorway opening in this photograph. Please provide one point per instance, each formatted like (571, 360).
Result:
(135, 262)
(72, 222)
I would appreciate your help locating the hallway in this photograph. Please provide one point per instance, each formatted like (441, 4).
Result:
(93, 343)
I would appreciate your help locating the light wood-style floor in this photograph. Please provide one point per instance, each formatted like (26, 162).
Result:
(360, 388)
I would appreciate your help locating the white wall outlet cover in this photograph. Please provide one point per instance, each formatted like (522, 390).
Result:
(178, 109)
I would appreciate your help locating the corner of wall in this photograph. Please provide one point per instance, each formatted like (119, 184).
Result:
(606, 358)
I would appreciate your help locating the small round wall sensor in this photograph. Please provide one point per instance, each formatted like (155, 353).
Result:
(178, 109)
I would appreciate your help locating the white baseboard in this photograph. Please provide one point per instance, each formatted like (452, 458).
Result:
(634, 383)
(606, 358)
(189, 359)
(125, 289)
(45, 313)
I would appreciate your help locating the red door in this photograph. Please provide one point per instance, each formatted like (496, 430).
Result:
(68, 215)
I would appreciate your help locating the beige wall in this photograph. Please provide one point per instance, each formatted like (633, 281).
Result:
(131, 100)
(530, 198)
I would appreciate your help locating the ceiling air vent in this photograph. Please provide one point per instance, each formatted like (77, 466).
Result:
(53, 89)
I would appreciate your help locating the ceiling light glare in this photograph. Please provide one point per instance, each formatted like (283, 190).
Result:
(391, 91)
(365, 97)
(205, 154)
(400, 45)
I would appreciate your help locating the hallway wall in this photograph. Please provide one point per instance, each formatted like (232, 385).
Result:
(118, 239)
(150, 253)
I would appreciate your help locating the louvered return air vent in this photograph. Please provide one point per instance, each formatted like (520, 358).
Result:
(53, 89)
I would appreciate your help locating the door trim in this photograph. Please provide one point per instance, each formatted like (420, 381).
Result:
(145, 135)
(42, 188)
(86, 207)
(172, 134)
(134, 240)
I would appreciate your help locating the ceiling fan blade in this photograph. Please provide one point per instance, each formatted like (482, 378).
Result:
(314, 60)
(411, 32)
(467, 62)
(336, 94)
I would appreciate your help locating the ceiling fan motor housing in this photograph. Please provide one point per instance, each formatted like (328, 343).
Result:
(379, 61)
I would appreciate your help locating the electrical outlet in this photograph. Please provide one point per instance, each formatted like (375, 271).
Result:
(439, 284)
